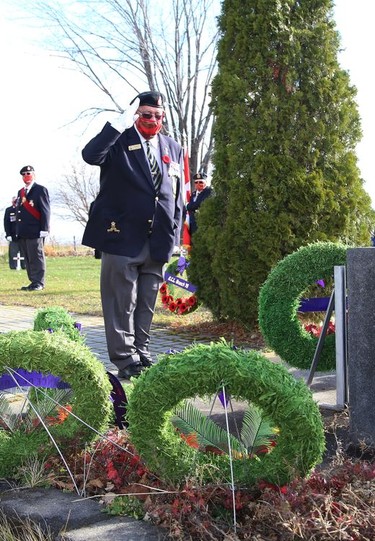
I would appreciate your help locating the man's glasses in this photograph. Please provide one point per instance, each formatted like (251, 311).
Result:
(199, 181)
(26, 173)
(148, 116)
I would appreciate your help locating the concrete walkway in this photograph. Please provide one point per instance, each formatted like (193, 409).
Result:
(20, 318)
(17, 318)
(84, 519)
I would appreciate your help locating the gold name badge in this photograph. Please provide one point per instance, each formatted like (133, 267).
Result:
(135, 147)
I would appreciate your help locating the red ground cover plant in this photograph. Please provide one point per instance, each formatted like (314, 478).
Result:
(316, 330)
(337, 502)
(105, 467)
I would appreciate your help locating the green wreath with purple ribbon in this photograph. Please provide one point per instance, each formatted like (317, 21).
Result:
(25, 354)
(202, 370)
(280, 298)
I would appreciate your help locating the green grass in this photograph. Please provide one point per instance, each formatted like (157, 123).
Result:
(73, 283)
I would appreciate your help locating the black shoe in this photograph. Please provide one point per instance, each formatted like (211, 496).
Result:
(35, 287)
(32, 287)
(146, 362)
(133, 370)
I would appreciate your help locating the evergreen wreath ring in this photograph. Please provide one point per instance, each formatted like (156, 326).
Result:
(199, 371)
(73, 362)
(56, 318)
(177, 305)
(279, 299)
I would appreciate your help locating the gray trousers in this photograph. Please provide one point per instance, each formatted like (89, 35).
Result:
(33, 252)
(129, 287)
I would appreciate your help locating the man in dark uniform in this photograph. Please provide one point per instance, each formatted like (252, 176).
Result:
(32, 227)
(201, 192)
(135, 222)
(10, 217)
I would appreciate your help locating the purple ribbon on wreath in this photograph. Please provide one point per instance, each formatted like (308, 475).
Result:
(224, 401)
(182, 265)
(24, 378)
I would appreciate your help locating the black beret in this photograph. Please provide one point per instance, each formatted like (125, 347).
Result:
(27, 169)
(200, 176)
(154, 99)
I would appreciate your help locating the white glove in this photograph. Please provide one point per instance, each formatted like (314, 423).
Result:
(127, 118)
(43, 234)
(9, 239)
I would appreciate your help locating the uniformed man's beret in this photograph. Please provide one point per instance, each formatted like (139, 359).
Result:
(27, 169)
(154, 99)
(200, 176)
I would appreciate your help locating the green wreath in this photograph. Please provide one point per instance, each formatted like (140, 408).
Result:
(279, 299)
(200, 371)
(73, 362)
(180, 305)
(56, 318)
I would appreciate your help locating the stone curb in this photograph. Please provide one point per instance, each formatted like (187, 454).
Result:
(71, 518)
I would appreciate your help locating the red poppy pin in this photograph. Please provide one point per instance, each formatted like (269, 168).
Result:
(166, 159)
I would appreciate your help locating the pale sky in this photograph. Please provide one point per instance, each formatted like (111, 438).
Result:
(39, 97)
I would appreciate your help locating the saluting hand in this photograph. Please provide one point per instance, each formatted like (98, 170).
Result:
(126, 119)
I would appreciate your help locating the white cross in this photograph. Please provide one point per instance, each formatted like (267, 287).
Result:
(18, 258)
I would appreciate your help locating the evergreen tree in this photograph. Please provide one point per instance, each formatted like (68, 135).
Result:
(286, 129)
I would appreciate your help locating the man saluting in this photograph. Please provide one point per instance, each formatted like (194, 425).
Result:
(135, 222)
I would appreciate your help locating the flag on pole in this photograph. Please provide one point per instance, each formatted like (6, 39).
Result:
(186, 238)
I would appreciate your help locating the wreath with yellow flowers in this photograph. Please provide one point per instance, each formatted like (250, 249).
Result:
(178, 304)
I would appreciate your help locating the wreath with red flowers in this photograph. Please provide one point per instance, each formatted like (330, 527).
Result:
(179, 305)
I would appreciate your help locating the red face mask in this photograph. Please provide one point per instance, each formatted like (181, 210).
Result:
(148, 127)
(27, 178)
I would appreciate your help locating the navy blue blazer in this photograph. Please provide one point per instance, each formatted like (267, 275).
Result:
(10, 217)
(29, 226)
(193, 206)
(127, 210)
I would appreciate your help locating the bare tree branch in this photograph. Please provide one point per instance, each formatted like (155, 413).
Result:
(77, 191)
(131, 44)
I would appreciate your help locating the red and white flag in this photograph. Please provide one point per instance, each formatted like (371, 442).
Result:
(186, 238)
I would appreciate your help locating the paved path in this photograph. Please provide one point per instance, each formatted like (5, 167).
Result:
(22, 318)
(17, 318)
